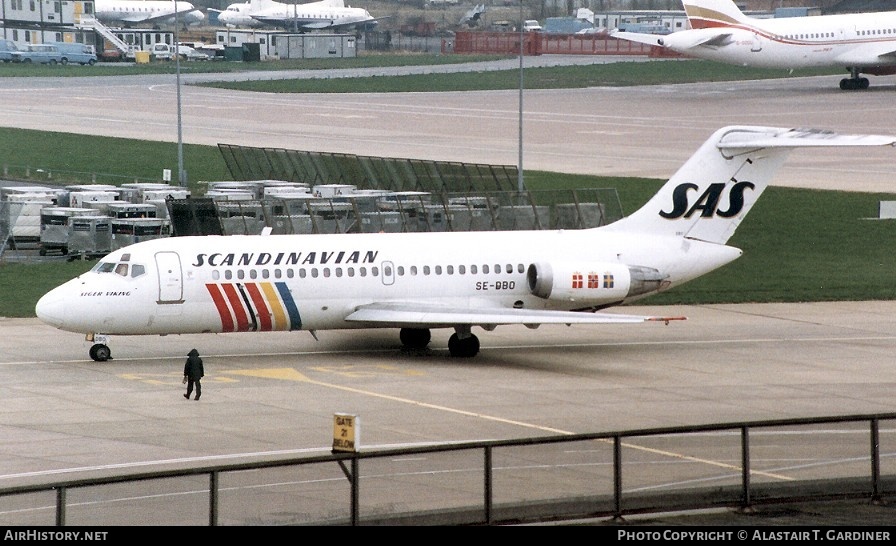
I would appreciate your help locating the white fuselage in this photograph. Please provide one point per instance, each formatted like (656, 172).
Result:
(310, 282)
(237, 15)
(862, 40)
(125, 12)
(314, 17)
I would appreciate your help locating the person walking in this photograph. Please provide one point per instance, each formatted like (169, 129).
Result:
(193, 372)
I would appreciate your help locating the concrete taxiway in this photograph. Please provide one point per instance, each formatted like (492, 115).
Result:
(276, 393)
(646, 131)
(273, 394)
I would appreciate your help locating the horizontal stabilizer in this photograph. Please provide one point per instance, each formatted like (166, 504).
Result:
(739, 138)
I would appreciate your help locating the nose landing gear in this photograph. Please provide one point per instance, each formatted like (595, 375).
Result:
(99, 352)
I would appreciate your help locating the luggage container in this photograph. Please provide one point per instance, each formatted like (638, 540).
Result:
(241, 217)
(523, 217)
(158, 194)
(230, 195)
(55, 229)
(333, 190)
(91, 199)
(292, 224)
(90, 236)
(330, 216)
(409, 204)
(20, 217)
(381, 222)
(441, 218)
(66, 201)
(127, 231)
(131, 210)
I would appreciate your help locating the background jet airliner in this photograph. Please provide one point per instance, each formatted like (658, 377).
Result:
(320, 15)
(156, 12)
(860, 42)
(420, 281)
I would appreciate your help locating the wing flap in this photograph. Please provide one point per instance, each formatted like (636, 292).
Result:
(410, 314)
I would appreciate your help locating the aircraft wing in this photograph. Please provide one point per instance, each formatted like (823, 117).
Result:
(413, 314)
(138, 18)
(649, 39)
(682, 40)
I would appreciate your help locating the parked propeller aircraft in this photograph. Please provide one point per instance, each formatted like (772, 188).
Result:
(319, 15)
(860, 42)
(157, 12)
(419, 281)
(237, 15)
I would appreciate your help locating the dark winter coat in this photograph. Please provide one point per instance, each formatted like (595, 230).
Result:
(193, 368)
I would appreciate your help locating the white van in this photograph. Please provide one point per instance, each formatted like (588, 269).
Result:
(37, 54)
(76, 53)
(6, 49)
(531, 25)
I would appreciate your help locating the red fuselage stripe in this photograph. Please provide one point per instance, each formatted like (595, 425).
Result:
(221, 305)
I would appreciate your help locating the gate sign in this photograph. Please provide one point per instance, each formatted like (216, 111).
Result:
(346, 432)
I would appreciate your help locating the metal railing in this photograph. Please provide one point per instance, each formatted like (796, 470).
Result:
(517, 481)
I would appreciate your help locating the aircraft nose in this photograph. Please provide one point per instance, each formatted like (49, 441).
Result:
(51, 308)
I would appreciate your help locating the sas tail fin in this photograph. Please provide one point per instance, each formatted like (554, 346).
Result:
(711, 194)
(713, 13)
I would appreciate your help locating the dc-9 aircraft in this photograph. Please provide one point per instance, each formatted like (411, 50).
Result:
(419, 281)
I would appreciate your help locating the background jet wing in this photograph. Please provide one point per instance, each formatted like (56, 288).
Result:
(682, 40)
(411, 314)
(649, 39)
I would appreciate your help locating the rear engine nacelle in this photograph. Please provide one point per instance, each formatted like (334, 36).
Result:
(592, 283)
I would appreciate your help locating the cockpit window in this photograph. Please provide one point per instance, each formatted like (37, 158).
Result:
(104, 267)
(121, 267)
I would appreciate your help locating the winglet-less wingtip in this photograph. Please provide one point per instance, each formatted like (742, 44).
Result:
(666, 319)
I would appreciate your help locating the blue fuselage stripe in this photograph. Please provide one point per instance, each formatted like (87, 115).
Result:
(295, 321)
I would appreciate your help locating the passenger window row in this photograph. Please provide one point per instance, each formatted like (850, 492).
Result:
(362, 271)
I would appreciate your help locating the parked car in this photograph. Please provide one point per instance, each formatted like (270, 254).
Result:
(37, 53)
(165, 52)
(531, 25)
(6, 49)
(76, 53)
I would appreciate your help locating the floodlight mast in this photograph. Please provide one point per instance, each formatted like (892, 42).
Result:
(181, 173)
(519, 166)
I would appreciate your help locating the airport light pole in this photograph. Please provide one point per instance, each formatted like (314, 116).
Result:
(519, 166)
(181, 173)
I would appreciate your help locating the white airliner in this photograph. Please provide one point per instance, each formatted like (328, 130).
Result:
(237, 15)
(419, 281)
(860, 42)
(322, 15)
(156, 12)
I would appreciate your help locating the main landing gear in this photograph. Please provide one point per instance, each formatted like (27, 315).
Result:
(854, 82)
(462, 344)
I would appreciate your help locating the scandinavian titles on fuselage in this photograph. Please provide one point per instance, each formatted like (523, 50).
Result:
(217, 259)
